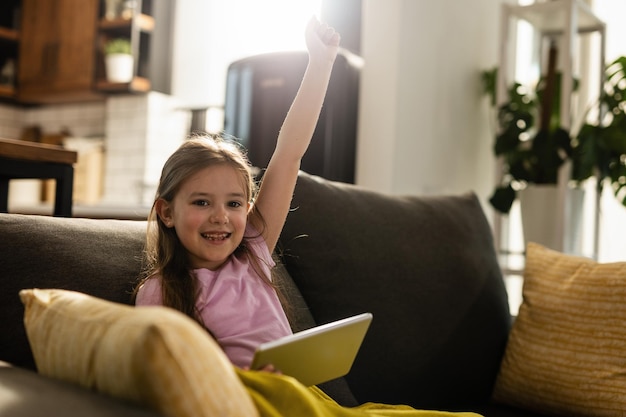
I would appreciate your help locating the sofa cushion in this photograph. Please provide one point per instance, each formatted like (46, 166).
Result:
(154, 356)
(25, 393)
(427, 270)
(566, 353)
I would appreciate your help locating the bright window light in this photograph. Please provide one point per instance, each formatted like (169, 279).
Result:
(249, 27)
(214, 33)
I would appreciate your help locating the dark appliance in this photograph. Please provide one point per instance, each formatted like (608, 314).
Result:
(259, 92)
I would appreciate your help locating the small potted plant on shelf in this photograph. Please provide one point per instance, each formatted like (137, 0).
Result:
(118, 60)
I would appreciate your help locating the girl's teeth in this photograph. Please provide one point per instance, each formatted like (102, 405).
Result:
(215, 237)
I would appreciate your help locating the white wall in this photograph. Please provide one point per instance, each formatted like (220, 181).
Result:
(423, 125)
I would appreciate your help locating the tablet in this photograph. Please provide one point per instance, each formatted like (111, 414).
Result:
(318, 354)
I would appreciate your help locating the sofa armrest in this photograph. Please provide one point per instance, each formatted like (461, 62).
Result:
(24, 393)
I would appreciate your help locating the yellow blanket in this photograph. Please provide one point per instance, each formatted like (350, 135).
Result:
(282, 396)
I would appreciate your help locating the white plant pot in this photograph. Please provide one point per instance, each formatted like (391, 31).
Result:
(540, 216)
(119, 68)
(538, 205)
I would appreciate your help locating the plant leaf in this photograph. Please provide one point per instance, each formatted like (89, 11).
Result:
(489, 78)
(502, 198)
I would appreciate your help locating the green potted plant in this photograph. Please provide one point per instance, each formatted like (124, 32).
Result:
(597, 150)
(533, 152)
(601, 147)
(533, 148)
(118, 60)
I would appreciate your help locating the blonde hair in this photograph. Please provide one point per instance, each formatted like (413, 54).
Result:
(164, 253)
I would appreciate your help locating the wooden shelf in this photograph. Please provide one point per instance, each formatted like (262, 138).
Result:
(9, 41)
(7, 91)
(9, 34)
(137, 85)
(145, 23)
(26, 49)
(138, 29)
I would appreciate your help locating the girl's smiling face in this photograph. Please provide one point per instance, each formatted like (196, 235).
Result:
(209, 213)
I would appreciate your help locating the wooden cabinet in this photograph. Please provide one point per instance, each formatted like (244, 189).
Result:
(55, 48)
(9, 41)
(57, 51)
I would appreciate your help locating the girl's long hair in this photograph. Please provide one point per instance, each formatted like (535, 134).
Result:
(164, 254)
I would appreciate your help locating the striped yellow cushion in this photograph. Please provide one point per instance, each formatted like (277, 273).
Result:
(566, 353)
(150, 355)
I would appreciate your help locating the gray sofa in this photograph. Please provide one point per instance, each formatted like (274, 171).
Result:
(424, 266)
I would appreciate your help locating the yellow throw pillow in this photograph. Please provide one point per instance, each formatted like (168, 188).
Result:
(155, 356)
(566, 353)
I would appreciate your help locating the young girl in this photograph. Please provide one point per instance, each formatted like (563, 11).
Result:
(210, 238)
(210, 241)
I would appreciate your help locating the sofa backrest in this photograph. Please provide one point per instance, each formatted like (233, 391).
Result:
(425, 267)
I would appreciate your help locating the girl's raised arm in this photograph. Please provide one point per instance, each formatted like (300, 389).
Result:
(295, 135)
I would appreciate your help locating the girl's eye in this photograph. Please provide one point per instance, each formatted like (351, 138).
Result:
(235, 204)
(201, 203)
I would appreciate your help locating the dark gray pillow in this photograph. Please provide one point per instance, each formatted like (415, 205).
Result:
(97, 257)
(427, 270)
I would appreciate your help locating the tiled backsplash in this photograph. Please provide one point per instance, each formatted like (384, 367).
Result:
(84, 120)
(10, 121)
(139, 131)
(81, 120)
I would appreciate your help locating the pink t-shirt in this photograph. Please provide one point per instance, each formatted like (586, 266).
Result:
(235, 304)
